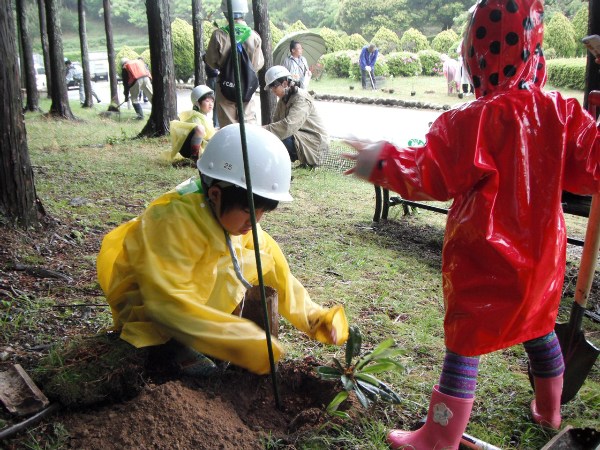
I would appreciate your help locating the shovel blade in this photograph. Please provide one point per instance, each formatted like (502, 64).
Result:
(579, 355)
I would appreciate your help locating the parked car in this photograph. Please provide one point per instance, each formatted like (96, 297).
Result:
(40, 77)
(99, 69)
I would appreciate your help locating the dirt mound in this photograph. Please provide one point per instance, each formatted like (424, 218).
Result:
(236, 410)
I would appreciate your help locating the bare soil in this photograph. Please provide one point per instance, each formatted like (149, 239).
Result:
(160, 410)
(235, 410)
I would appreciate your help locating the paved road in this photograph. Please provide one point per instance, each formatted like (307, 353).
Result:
(342, 120)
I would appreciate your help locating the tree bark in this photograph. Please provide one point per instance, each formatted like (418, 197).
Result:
(164, 99)
(59, 94)
(45, 50)
(85, 58)
(199, 75)
(260, 9)
(113, 105)
(592, 79)
(18, 199)
(27, 66)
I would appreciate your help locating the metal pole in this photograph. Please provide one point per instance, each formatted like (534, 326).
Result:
(240, 110)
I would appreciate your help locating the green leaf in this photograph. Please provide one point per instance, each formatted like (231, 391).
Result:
(379, 367)
(337, 400)
(342, 414)
(362, 398)
(328, 373)
(368, 378)
(384, 345)
(339, 365)
(347, 382)
(353, 344)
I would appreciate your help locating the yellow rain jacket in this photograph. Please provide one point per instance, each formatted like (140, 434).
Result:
(169, 274)
(180, 129)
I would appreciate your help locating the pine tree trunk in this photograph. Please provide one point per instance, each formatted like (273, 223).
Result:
(199, 75)
(18, 200)
(45, 50)
(85, 58)
(164, 99)
(59, 94)
(112, 64)
(27, 66)
(261, 25)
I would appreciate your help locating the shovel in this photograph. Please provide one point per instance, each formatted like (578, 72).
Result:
(578, 353)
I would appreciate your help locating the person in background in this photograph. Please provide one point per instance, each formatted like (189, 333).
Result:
(296, 120)
(217, 51)
(74, 74)
(211, 82)
(193, 130)
(136, 78)
(504, 159)
(297, 65)
(142, 94)
(366, 61)
(176, 273)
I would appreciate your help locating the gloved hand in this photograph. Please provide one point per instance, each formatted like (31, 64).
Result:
(368, 68)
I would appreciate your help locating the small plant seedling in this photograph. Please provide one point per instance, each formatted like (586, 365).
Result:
(358, 373)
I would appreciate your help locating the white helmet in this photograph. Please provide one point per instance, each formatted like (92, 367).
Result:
(200, 91)
(239, 7)
(124, 61)
(270, 165)
(275, 73)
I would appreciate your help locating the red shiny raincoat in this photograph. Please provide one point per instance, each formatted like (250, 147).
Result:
(505, 159)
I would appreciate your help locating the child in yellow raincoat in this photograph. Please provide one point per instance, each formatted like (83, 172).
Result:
(193, 130)
(179, 270)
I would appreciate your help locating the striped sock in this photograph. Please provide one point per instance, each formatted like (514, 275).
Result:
(459, 375)
(545, 356)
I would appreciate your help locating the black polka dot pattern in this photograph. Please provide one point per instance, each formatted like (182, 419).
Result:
(503, 45)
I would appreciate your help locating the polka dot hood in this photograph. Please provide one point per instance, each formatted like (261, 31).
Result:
(503, 45)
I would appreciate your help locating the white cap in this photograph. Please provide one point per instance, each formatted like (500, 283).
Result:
(270, 165)
(275, 73)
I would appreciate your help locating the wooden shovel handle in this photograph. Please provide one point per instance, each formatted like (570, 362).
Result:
(589, 255)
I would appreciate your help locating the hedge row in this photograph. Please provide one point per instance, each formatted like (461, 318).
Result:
(562, 73)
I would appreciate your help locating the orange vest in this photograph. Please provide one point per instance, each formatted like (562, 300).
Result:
(136, 69)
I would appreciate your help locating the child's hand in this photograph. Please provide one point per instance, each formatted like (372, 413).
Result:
(359, 146)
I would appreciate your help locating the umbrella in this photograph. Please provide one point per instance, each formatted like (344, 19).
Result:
(312, 44)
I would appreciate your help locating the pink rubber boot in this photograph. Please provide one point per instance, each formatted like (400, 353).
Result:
(447, 419)
(545, 408)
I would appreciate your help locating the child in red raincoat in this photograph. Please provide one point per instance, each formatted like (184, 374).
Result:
(505, 159)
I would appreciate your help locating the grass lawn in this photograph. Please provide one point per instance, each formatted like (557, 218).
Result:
(387, 275)
(426, 89)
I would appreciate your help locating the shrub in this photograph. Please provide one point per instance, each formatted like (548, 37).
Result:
(386, 40)
(380, 70)
(580, 25)
(431, 62)
(404, 64)
(338, 64)
(276, 34)
(146, 57)
(560, 35)
(296, 26)
(183, 49)
(413, 41)
(567, 73)
(333, 41)
(207, 31)
(444, 40)
(354, 42)
(125, 52)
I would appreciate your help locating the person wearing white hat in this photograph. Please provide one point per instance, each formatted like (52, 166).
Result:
(178, 271)
(296, 120)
